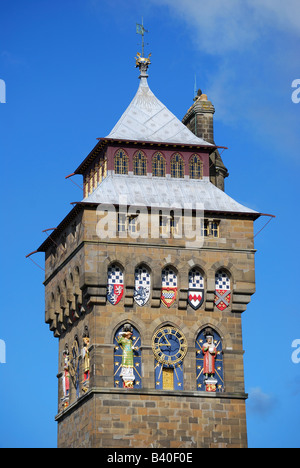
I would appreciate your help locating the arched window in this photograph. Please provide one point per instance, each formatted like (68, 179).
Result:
(121, 162)
(209, 361)
(168, 286)
(140, 164)
(127, 358)
(177, 166)
(222, 291)
(115, 284)
(196, 288)
(158, 165)
(196, 167)
(142, 285)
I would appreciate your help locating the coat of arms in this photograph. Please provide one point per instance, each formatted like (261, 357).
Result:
(115, 284)
(169, 287)
(222, 292)
(196, 289)
(142, 286)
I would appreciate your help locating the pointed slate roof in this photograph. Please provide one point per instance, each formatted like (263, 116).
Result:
(148, 119)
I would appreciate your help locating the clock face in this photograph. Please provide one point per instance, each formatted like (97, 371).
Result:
(169, 346)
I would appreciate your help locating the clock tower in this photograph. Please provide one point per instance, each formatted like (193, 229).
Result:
(146, 280)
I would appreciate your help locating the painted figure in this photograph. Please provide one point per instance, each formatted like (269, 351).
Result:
(125, 341)
(210, 354)
(86, 363)
(66, 379)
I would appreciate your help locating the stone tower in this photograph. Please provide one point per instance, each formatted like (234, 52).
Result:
(200, 120)
(146, 279)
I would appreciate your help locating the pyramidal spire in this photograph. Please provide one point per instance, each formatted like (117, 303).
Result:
(147, 118)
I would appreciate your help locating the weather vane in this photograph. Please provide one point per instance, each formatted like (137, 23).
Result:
(141, 30)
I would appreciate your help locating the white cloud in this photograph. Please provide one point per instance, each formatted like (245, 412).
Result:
(255, 44)
(261, 403)
(232, 25)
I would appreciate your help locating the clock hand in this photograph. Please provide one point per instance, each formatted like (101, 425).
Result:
(167, 341)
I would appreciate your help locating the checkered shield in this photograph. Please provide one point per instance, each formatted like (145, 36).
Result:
(115, 284)
(222, 292)
(141, 286)
(196, 289)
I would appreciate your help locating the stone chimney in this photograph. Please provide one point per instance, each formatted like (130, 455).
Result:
(200, 120)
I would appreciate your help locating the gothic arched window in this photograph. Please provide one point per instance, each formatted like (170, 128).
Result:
(177, 166)
(222, 291)
(121, 162)
(115, 284)
(168, 286)
(140, 163)
(196, 167)
(209, 361)
(142, 285)
(127, 358)
(158, 165)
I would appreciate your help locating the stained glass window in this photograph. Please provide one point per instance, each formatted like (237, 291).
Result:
(121, 162)
(158, 165)
(177, 166)
(140, 164)
(196, 167)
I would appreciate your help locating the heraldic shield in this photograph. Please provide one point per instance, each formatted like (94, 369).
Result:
(169, 287)
(222, 292)
(196, 289)
(115, 284)
(142, 286)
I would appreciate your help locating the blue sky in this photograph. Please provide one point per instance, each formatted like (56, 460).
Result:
(70, 73)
